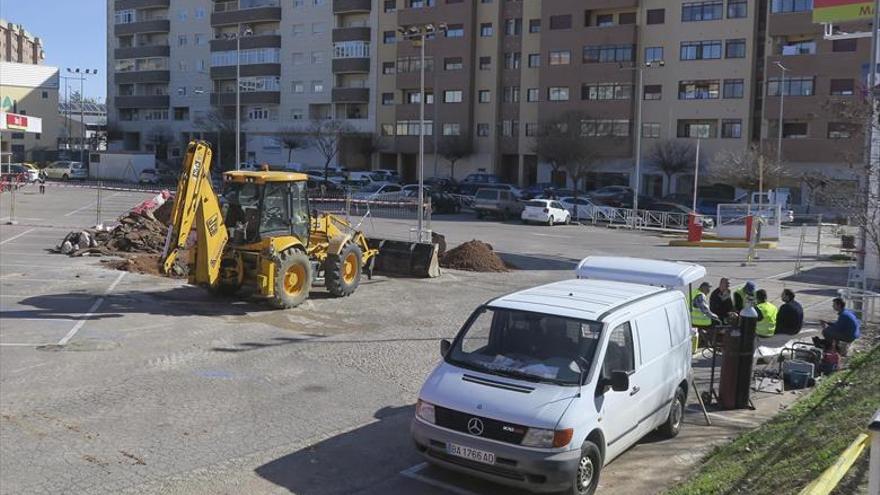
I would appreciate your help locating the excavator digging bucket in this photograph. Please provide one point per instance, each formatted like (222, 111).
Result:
(406, 259)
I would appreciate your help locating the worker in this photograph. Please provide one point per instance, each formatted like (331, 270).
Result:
(721, 301)
(790, 318)
(701, 315)
(744, 296)
(842, 332)
(767, 315)
(41, 178)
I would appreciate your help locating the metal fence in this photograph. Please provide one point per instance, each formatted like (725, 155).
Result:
(346, 204)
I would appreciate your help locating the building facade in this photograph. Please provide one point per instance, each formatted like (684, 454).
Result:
(19, 46)
(29, 89)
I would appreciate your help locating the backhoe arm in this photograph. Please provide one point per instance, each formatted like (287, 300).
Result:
(196, 204)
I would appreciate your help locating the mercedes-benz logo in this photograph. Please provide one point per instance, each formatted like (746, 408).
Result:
(475, 426)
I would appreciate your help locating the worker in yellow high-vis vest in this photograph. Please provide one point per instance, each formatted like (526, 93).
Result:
(767, 315)
(701, 315)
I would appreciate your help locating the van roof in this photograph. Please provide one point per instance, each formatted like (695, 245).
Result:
(587, 299)
(670, 274)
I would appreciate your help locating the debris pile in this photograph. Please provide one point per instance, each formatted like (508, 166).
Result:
(474, 256)
(136, 233)
(147, 264)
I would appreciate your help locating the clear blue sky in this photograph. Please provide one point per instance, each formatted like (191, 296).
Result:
(74, 34)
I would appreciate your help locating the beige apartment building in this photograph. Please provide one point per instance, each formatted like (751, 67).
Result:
(19, 46)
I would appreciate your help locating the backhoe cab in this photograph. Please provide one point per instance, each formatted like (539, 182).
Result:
(261, 236)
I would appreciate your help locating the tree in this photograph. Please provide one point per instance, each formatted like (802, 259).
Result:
(324, 136)
(222, 129)
(672, 157)
(453, 149)
(743, 168)
(293, 139)
(561, 143)
(160, 137)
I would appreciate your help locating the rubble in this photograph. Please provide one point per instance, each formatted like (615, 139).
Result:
(474, 256)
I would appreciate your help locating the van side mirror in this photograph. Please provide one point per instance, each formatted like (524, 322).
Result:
(445, 345)
(619, 381)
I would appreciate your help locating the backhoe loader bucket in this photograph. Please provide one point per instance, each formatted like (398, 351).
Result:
(407, 259)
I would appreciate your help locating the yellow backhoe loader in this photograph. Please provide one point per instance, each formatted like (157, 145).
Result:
(261, 236)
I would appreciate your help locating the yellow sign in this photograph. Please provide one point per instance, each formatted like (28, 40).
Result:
(830, 11)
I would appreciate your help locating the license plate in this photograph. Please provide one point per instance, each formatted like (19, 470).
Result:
(469, 453)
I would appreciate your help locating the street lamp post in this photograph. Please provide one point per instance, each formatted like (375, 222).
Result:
(81, 75)
(418, 34)
(238, 35)
(782, 71)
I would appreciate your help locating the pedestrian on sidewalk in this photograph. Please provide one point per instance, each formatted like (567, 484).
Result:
(41, 178)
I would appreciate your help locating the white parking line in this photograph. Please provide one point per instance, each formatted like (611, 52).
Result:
(550, 235)
(16, 236)
(79, 324)
(20, 344)
(413, 473)
(90, 205)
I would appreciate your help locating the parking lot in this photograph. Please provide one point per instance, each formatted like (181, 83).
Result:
(114, 382)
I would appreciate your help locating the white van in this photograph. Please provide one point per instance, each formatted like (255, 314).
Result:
(543, 387)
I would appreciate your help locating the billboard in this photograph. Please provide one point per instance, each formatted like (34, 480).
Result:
(21, 123)
(833, 11)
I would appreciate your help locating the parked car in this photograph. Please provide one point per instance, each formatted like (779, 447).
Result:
(542, 388)
(66, 170)
(610, 195)
(546, 211)
(33, 173)
(444, 202)
(473, 182)
(168, 176)
(707, 221)
(446, 184)
(383, 175)
(363, 178)
(536, 190)
(14, 172)
(582, 208)
(626, 201)
(496, 202)
(379, 191)
(148, 176)
(709, 206)
(679, 198)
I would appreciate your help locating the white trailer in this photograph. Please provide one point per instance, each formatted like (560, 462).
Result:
(125, 167)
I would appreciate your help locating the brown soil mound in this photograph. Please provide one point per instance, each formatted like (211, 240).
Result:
(163, 213)
(146, 264)
(474, 256)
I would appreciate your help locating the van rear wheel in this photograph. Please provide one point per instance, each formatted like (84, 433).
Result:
(672, 426)
(586, 477)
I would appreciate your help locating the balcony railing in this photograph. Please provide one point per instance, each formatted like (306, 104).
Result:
(244, 5)
(351, 49)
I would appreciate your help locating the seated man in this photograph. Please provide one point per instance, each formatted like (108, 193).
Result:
(790, 318)
(843, 331)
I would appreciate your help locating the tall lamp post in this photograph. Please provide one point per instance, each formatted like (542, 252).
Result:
(782, 71)
(418, 35)
(239, 33)
(81, 75)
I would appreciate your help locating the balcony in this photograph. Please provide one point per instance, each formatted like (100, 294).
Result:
(247, 98)
(351, 6)
(351, 65)
(613, 4)
(350, 95)
(142, 51)
(247, 42)
(144, 76)
(351, 34)
(228, 71)
(150, 26)
(141, 4)
(266, 13)
(152, 101)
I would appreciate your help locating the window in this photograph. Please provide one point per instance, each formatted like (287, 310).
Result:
(156, 114)
(606, 91)
(260, 113)
(842, 87)
(531, 129)
(533, 94)
(733, 88)
(849, 45)
(390, 6)
(317, 57)
(794, 130)
(411, 128)
(534, 60)
(455, 31)
(199, 13)
(451, 129)
(731, 128)
(651, 130)
(509, 128)
(653, 91)
(702, 11)
(483, 130)
(842, 130)
(389, 37)
(388, 68)
(782, 6)
(608, 53)
(452, 96)
(513, 27)
(560, 21)
(512, 60)
(619, 355)
(388, 98)
(181, 15)
(698, 90)
(298, 29)
(124, 16)
(700, 50)
(797, 47)
(299, 58)
(182, 40)
(319, 27)
(705, 129)
(604, 20)
(656, 16)
(484, 96)
(486, 29)
(557, 93)
(653, 54)
(737, 9)
(485, 63)
(794, 86)
(299, 3)
(452, 63)
(199, 39)
(535, 25)
(735, 49)
(298, 87)
(560, 57)
(317, 86)
(181, 113)
(626, 18)
(387, 129)
(44, 95)
(510, 94)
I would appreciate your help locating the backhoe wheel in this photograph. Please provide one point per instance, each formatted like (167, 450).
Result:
(293, 279)
(342, 272)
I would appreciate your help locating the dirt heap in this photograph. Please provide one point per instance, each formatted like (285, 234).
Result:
(474, 256)
(136, 233)
(140, 263)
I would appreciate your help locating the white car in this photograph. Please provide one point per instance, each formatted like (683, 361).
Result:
(66, 170)
(148, 176)
(584, 208)
(547, 211)
(378, 191)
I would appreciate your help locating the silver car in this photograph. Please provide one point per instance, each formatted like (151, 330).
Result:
(67, 170)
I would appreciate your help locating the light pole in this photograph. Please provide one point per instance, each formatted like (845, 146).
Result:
(81, 75)
(782, 71)
(238, 35)
(418, 35)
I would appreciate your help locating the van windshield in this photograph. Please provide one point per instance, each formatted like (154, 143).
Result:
(531, 346)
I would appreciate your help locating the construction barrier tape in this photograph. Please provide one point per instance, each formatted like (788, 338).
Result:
(824, 484)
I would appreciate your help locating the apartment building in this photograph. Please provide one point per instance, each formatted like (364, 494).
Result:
(19, 46)
(173, 67)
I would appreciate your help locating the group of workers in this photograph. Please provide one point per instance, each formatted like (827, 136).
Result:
(723, 305)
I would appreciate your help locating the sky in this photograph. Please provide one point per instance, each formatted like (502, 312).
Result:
(74, 34)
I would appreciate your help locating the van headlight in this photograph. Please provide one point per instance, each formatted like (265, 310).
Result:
(425, 411)
(539, 437)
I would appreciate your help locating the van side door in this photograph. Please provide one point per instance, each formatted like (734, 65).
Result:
(659, 372)
(618, 410)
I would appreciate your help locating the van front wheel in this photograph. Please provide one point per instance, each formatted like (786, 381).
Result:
(586, 477)
(672, 426)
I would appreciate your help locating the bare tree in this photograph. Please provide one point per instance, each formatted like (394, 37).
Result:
(672, 157)
(324, 136)
(222, 129)
(293, 139)
(160, 137)
(561, 143)
(745, 168)
(453, 149)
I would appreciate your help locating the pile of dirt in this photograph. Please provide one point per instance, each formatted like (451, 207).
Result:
(136, 233)
(474, 256)
(147, 264)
